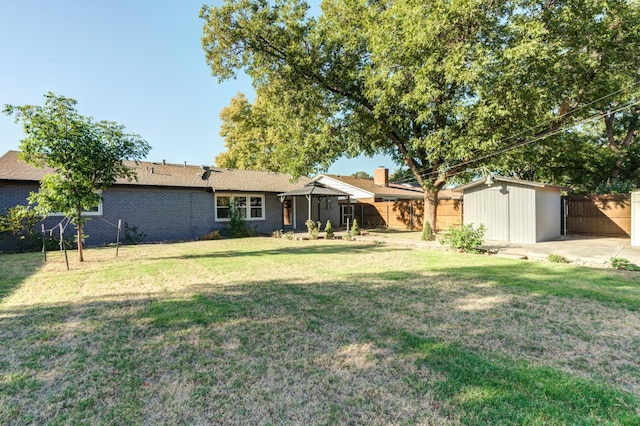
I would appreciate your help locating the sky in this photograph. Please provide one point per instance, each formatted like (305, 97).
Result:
(136, 62)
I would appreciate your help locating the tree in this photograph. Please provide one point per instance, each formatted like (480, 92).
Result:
(435, 84)
(86, 156)
(361, 175)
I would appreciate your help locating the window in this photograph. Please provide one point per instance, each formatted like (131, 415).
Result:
(251, 207)
(96, 211)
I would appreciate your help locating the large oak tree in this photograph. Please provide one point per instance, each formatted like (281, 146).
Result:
(436, 84)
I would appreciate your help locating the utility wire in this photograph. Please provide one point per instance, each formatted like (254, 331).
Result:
(561, 129)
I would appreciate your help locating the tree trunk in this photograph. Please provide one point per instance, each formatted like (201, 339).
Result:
(80, 255)
(430, 210)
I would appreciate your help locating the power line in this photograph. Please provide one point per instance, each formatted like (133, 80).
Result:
(552, 133)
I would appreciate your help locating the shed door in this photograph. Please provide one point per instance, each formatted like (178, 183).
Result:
(496, 213)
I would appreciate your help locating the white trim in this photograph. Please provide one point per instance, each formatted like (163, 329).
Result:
(247, 207)
(84, 213)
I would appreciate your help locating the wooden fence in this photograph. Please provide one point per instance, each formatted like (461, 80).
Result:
(408, 214)
(605, 215)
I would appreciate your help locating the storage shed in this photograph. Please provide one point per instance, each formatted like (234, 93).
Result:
(635, 219)
(513, 210)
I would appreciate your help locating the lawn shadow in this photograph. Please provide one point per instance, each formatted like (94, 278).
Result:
(320, 249)
(288, 352)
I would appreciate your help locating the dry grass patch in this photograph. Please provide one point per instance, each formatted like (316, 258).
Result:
(267, 331)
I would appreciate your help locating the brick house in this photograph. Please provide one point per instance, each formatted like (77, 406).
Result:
(170, 201)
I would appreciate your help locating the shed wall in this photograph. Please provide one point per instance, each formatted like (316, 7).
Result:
(548, 214)
(510, 212)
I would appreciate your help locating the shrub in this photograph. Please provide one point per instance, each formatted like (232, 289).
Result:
(289, 235)
(18, 226)
(328, 230)
(466, 239)
(132, 235)
(557, 258)
(355, 229)
(313, 228)
(213, 235)
(624, 264)
(427, 233)
(277, 233)
(238, 227)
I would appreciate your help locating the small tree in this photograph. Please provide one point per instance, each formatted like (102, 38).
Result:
(86, 157)
(328, 231)
(355, 229)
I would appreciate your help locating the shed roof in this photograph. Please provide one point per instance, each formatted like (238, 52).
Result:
(169, 175)
(497, 179)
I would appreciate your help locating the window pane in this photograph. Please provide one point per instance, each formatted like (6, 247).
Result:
(256, 201)
(240, 201)
(223, 213)
(256, 212)
(223, 201)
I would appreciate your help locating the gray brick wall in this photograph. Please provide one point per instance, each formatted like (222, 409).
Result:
(164, 214)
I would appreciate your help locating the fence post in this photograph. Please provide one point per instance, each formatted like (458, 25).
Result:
(118, 237)
(44, 246)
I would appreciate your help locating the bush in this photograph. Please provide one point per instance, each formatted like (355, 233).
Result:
(18, 226)
(238, 227)
(328, 230)
(132, 235)
(355, 229)
(557, 258)
(427, 233)
(313, 228)
(213, 235)
(624, 264)
(466, 239)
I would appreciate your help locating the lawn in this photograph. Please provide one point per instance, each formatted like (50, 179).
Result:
(269, 331)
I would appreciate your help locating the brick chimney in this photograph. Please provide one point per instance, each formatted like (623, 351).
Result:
(381, 176)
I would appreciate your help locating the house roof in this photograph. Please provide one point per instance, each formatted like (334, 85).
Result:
(497, 179)
(170, 175)
(393, 190)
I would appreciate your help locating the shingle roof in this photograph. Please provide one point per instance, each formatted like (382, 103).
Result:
(173, 175)
(496, 179)
(397, 190)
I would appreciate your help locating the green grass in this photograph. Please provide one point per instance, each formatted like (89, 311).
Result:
(266, 331)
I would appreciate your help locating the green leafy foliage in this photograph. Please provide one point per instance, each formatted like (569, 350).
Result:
(132, 235)
(328, 231)
(313, 228)
(557, 258)
(436, 85)
(427, 233)
(466, 239)
(238, 226)
(625, 264)
(18, 226)
(355, 228)
(86, 156)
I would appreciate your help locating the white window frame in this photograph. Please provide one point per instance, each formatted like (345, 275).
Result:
(248, 206)
(84, 213)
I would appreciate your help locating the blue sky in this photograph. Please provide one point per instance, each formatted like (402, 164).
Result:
(138, 63)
